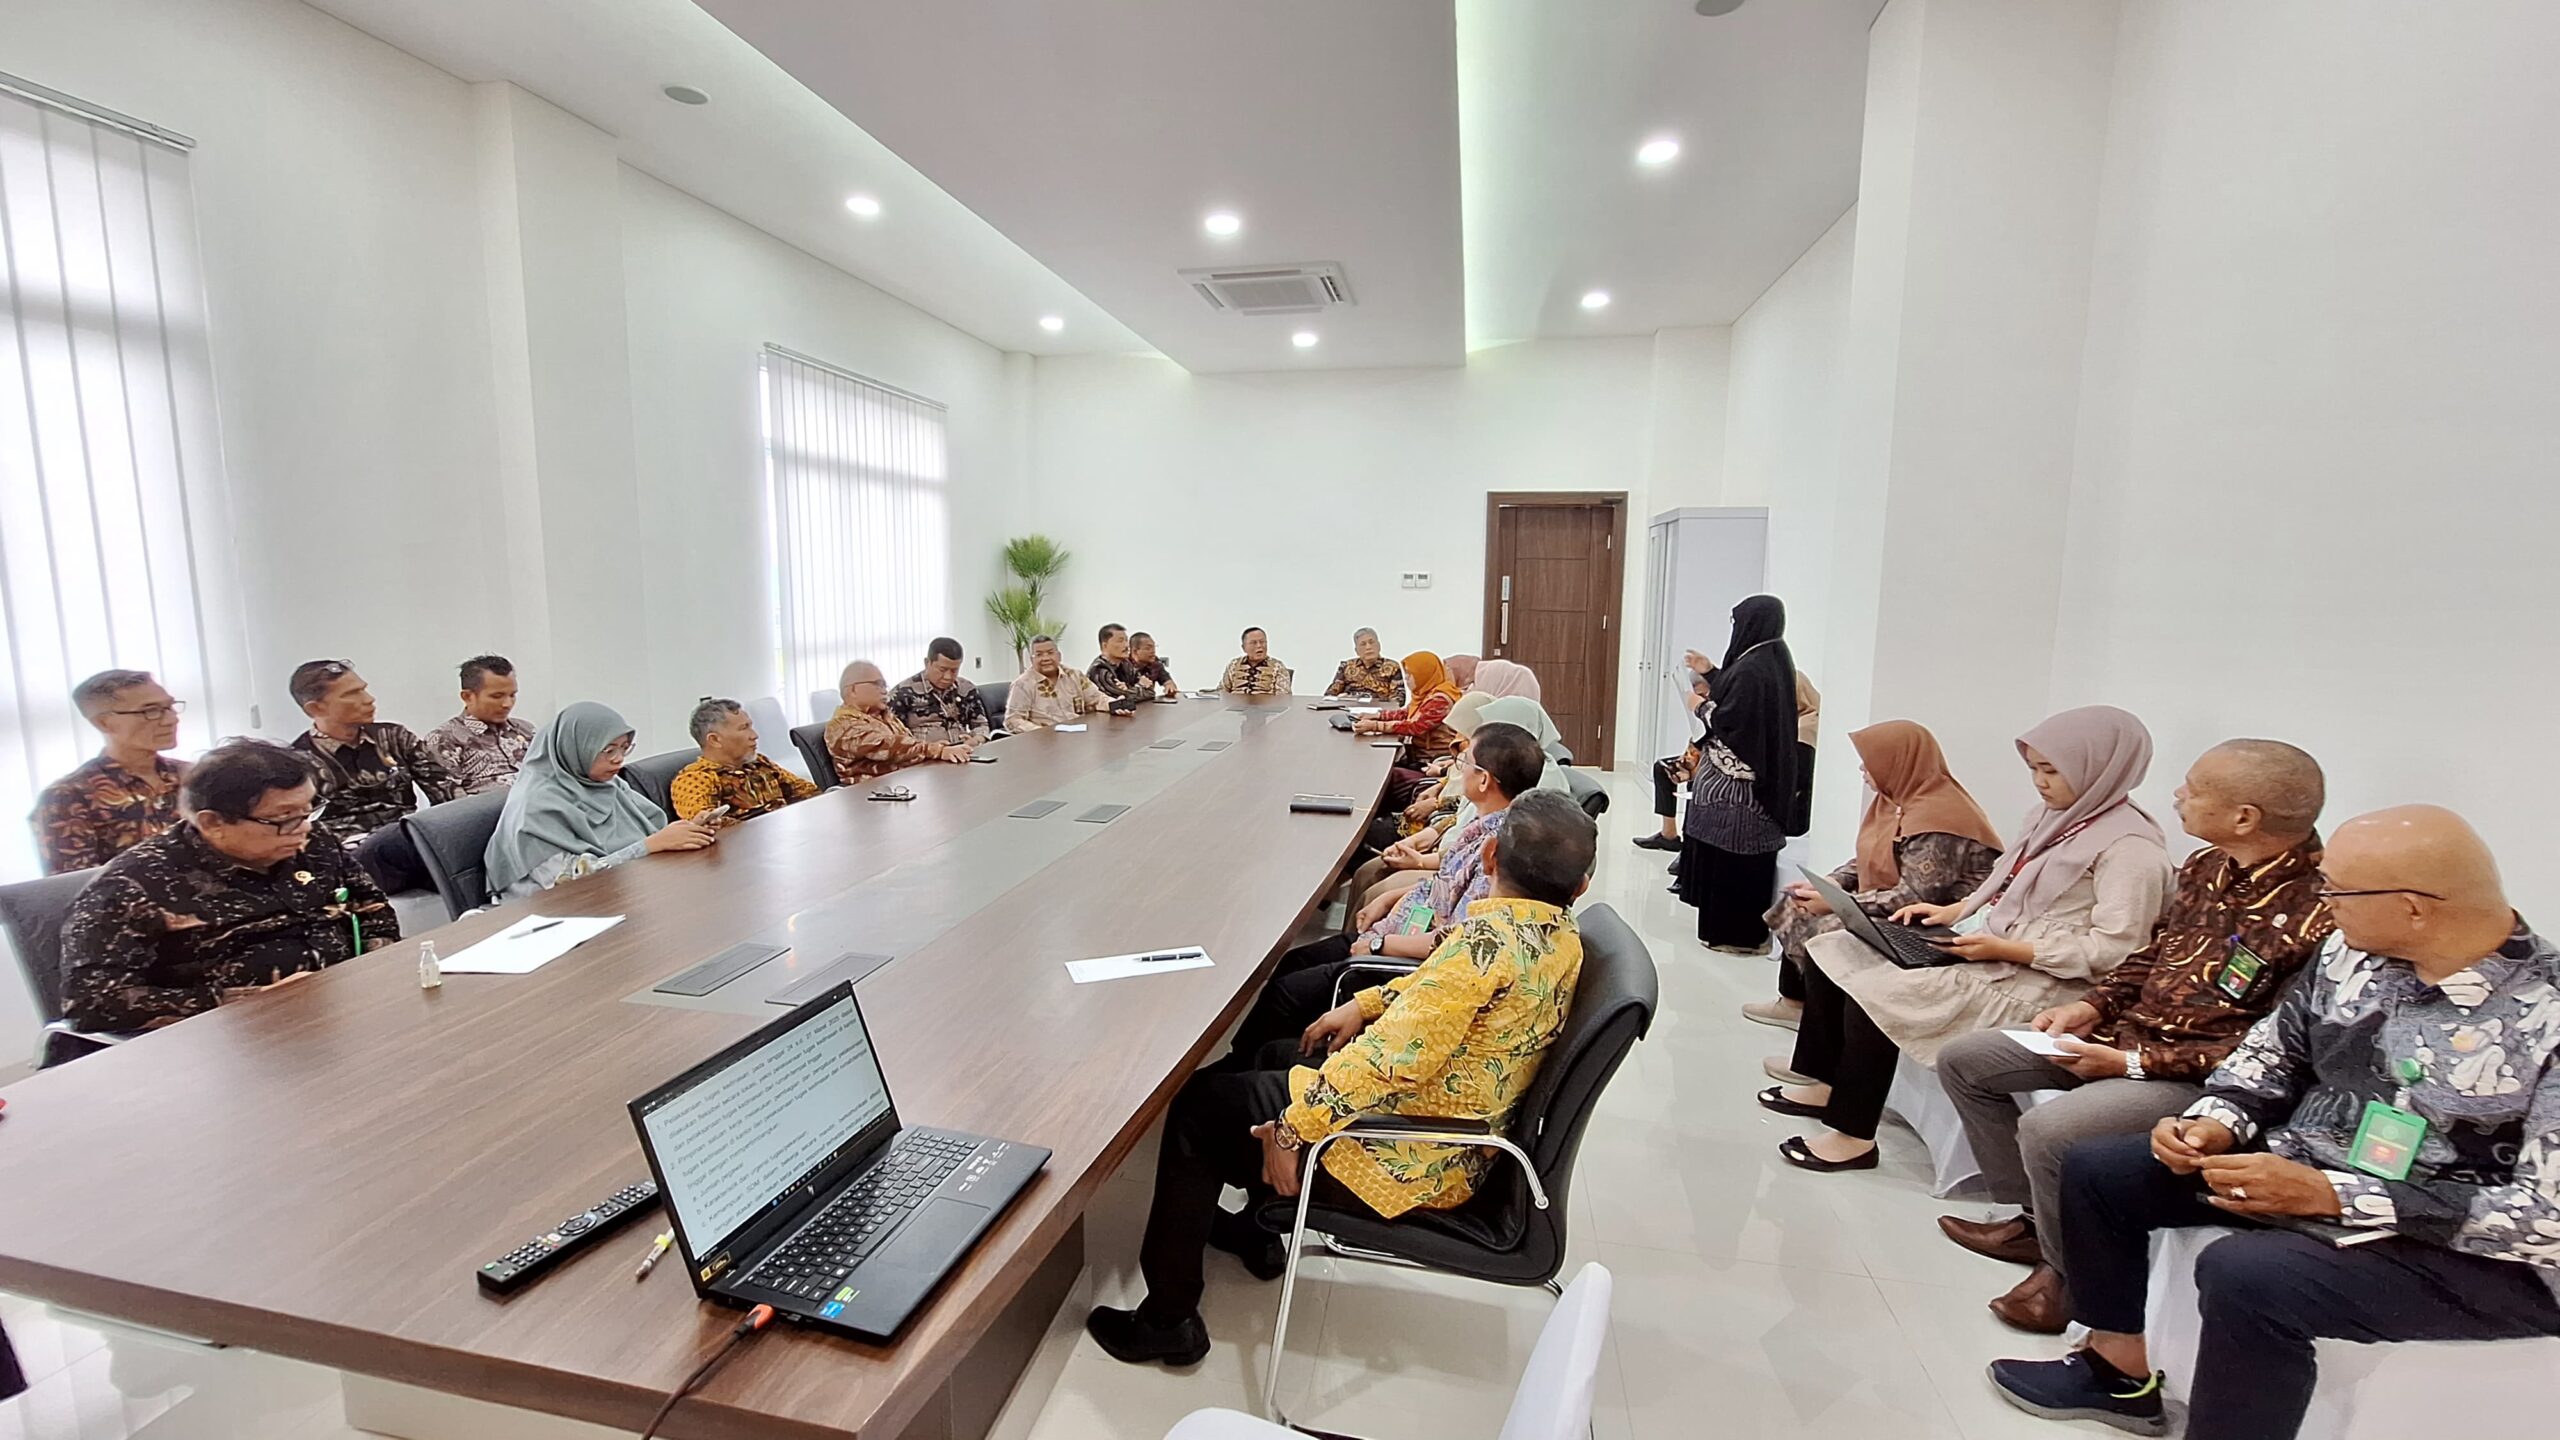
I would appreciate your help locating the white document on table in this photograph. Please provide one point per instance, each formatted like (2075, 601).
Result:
(2038, 1042)
(529, 944)
(1145, 962)
(1068, 729)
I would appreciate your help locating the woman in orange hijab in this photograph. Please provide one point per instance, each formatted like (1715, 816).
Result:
(1923, 841)
(1424, 724)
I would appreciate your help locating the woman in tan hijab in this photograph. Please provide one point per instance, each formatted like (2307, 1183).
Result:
(1923, 842)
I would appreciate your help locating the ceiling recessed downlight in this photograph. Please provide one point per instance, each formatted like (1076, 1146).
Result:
(1595, 299)
(863, 205)
(685, 95)
(1222, 222)
(1053, 323)
(1660, 150)
(1304, 339)
(1712, 8)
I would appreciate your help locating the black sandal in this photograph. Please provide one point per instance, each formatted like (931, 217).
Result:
(1800, 1155)
(1775, 1098)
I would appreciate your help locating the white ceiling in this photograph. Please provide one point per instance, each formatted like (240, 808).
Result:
(1098, 134)
(1035, 157)
(1767, 104)
(764, 149)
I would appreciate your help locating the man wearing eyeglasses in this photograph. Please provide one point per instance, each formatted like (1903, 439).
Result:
(866, 741)
(127, 794)
(247, 895)
(369, 771)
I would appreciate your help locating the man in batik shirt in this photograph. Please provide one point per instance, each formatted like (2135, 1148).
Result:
(865, 741)
(937, 704)
(1255, 672)
(731, 770)
(129, 792)
(484, 746)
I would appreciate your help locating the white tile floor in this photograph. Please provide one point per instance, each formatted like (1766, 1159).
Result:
(1753, 1300)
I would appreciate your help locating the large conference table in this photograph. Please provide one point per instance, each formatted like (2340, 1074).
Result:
(317, 1174)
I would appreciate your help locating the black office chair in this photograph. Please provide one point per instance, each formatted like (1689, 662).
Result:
(453, 841)
(1512, 1231)
(811, 742)
(1588, 792)
(655, 777)
(31, 916)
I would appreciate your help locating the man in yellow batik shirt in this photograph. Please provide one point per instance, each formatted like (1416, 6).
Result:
(1460, 1039)
(730, 770)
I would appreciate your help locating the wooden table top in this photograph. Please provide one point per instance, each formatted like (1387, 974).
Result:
(318, 1174)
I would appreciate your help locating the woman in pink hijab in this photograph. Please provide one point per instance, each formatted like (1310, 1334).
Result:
(1498, 678)
(2077, 892)
(1462, 671)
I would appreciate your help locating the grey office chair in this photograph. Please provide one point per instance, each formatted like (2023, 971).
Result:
(1559, 752)
(453, 842)
(1588, 792)
(811, 742)
(655, 777)
(773, 735)
(823, 703)
(1511, 1232)
(31, 917)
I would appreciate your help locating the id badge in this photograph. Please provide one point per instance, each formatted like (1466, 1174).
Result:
(2387, 1141)
(2239, 972)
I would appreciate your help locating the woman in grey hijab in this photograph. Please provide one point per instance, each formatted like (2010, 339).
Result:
(570, 813)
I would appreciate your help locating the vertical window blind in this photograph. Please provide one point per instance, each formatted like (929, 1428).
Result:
(858, 525)
(110, 466)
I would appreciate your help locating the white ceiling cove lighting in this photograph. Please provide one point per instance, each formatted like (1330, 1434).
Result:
(1595, 300)
(1304, 339)
(1222, 222)
(1053, 323)
(1661, 150)
(863, 205)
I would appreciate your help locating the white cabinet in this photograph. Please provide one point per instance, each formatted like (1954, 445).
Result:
(1700, 563)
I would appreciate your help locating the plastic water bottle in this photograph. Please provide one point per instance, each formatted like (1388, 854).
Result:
(430, 969)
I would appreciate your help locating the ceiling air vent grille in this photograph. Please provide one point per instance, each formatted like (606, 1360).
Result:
(1272, 289)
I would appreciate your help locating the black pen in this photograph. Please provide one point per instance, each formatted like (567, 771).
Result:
(1168, 955)
(536, 930)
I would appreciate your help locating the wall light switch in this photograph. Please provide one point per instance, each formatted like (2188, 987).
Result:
(1422, 580)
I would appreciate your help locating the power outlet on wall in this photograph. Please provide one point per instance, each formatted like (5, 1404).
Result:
(1417, 579)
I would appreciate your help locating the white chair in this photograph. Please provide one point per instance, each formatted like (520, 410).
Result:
(1922, 1103)
(2365, 1392)
(773, 736)
(822, 705)
(1553, 1401)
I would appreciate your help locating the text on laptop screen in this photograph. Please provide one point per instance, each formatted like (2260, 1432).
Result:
(746, 1134)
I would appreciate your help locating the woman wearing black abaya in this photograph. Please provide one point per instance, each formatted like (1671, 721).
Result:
(1742, 801)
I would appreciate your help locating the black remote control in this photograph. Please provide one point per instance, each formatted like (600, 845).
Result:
(536, 1257)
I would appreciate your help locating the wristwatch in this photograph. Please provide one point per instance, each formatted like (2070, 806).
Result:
(1377, 944)
(2133, 1065)
(1285, 1135)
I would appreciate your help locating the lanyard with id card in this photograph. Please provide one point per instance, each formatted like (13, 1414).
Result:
(2239, 971)
(2388, 1137)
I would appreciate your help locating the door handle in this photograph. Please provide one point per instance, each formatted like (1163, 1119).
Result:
(1504, 638)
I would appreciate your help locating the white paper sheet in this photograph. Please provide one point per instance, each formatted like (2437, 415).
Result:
(1068, 729)
(2038, 1042)
(529, 944)
(1126, 967)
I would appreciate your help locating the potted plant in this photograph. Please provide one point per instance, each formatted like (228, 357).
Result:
(1020, 606)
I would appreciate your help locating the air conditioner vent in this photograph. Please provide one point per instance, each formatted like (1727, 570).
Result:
(1272, 289)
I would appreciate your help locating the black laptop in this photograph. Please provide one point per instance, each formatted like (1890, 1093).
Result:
(790, 1182)
(1913, 947)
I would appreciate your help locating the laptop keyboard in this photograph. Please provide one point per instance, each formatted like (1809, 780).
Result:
(815, 1261)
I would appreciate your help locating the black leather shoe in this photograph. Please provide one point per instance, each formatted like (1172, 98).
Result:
(1265, 1255)
(1130, 1339)
(1658, 841)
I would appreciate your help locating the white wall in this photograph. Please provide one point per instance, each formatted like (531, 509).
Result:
(706, 293)
(1198, 504)
(1782, 450)
(2313, 493)
(334, 183)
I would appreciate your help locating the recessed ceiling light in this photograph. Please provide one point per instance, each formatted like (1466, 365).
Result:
(1222, 222)
(1595, 299)
(686, 95)
(1718, 7)
(863, 205)
(1304, 339)
(1661, 150)
(1053, 323)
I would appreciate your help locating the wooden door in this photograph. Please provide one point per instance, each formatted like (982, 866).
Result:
(1554, 565)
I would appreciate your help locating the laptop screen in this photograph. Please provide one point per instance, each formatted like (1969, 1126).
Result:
(741, 1133)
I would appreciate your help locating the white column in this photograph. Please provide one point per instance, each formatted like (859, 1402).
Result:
(552, 233)
(1986, 127)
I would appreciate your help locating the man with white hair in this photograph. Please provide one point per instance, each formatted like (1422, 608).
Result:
(865, 741)
(1368, 675)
